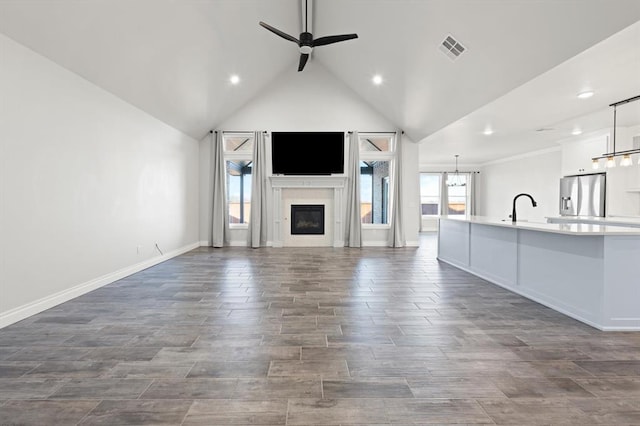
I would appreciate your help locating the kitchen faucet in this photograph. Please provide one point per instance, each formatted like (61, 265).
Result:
(513, 213)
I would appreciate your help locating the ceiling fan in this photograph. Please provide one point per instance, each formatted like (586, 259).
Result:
(306, 42)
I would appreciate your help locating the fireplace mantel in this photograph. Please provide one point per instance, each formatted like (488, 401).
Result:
(337, 183)
(308, 181)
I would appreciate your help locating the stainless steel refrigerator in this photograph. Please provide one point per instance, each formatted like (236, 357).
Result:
(583, 195)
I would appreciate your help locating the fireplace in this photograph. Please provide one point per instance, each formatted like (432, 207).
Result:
(307, 219)
(308, 190)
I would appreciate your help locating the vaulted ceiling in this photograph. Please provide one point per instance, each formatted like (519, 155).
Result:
(173, 59)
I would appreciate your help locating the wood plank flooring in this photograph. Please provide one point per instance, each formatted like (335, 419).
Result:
(313, 336)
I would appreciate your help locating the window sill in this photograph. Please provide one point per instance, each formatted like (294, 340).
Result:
(376, 226)
(238, 226)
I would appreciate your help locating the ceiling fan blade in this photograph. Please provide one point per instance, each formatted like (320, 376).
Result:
(322, 41)
(303, 61)
(280, 33)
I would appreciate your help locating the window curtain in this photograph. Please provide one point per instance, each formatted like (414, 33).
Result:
(396, 231)
(444, 195)
(471, 193)
(353, 222)
(258, 223)
(219, 213)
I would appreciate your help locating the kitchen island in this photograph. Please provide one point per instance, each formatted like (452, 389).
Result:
(631, 222)
(589, 272)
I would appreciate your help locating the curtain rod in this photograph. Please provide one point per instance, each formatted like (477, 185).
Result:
(375, 133)
(350, 132)
(452, 171)
(242, 131)
(236, 131)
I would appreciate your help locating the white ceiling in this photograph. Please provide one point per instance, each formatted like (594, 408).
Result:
(546, 110)
(173, 58)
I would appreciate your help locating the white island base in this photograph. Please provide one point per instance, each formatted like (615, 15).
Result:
(588, 272)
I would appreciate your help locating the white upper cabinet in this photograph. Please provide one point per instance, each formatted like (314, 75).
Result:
(577, 154)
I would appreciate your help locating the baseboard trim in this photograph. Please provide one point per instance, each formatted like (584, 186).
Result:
(25, 311)
(375, 244)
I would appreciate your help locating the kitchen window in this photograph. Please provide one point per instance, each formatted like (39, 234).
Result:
(430, 194)
(457, 203)
(431, 202)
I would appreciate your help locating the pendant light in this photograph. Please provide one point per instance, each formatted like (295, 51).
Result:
(456, 179)
(611, 156)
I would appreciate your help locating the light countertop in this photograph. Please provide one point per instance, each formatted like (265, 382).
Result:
(573, 228)
(610, 220)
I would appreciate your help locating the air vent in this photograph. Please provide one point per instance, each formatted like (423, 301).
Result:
(452, 48)
(545, 129)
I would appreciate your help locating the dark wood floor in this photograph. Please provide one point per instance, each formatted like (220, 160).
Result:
(313, 336)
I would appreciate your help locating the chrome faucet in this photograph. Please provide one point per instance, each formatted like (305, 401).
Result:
(513, 212)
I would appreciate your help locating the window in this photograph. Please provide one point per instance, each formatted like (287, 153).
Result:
(239, 191)
(238, 153)
(374, 190)
(376, 161)
(430, 194)
(431, 198)
(458, 196)
(375, 144)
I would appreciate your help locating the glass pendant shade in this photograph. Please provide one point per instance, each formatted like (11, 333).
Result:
(611, 162)
(595, 164)
(626, 160)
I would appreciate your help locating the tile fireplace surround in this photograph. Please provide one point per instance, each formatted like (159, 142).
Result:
(333, 199)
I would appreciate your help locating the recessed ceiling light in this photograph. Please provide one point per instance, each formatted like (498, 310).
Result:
(377, 79)
(234, 79)
(488, 131)
(576, 132)
(586, 94)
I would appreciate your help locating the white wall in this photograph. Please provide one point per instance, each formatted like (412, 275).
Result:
(536, 173)
(85, 179)
(303, 101)
(620, 180)
(313, 100)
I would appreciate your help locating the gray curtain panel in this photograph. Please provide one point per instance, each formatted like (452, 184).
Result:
(471, 188)
(396, 231)
(444, 195)
(258, 223)
(219, 212)
(353, 221)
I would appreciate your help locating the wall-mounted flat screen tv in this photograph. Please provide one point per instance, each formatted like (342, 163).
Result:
(307, 153)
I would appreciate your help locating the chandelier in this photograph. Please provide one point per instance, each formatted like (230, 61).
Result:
(455, 179)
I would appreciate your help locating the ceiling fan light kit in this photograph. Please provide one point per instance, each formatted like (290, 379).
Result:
(306, 42)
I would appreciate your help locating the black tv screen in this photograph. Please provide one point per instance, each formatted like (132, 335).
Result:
(307, 153)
